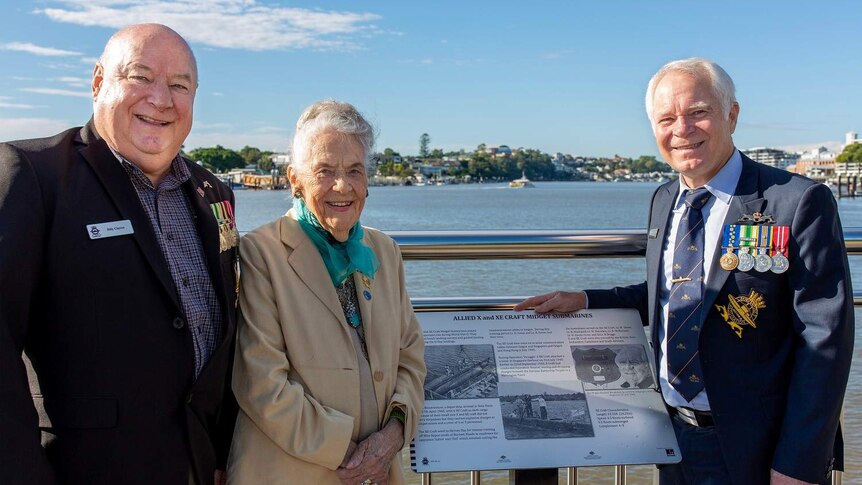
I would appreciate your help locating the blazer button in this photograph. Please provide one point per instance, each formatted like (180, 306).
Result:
(378, 376)
(179, 323)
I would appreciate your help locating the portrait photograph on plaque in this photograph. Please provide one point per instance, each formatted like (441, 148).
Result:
(509, 390)
(613, 367)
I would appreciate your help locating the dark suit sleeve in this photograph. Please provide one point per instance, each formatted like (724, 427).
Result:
(634, 296)
(822, 319)
(22, 230)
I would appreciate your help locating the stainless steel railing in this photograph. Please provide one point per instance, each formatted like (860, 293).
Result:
(537, 244)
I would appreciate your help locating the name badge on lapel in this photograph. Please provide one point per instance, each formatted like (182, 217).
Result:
(228, 236)
(110, 229)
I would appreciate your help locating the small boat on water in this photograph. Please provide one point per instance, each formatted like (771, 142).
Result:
(521, 183)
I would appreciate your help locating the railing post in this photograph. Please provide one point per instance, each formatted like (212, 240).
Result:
(620, 475)
(475, 477)
(571, 475)
(534, 476)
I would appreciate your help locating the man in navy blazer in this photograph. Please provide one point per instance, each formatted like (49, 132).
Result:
(117, 286)
(758, 399)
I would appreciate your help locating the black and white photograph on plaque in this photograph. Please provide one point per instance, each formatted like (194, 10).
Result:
(460, 372)
(613, 367)
(533, 410)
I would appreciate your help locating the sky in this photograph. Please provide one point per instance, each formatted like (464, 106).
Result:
(559, 76)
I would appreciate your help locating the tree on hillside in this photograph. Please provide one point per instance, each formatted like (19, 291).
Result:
(217, 158)
(389, 154)
(264, 161)
(249, 154)
(852, 153)
(647, 164)
(424, 140)
(256, 156)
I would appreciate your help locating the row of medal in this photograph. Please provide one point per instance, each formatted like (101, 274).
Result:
(762, 248)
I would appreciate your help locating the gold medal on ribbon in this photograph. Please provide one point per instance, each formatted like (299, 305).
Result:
(223, 238)
(729, 260)
(228, 236)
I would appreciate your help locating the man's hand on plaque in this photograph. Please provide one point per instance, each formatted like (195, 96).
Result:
(557, 301)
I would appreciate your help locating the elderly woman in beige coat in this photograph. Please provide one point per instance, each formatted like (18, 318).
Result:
(329, 362)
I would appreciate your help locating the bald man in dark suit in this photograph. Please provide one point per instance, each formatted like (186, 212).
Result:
(118, 277)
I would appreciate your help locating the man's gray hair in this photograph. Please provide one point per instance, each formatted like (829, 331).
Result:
(722, 84)
(330, 116)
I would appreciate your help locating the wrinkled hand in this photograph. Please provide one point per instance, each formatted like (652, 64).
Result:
(351, 448)
(373, 456)
(778, 478)
(557, 301)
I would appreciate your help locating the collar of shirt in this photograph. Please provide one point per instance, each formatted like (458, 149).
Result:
(179, 173)
(722, 185)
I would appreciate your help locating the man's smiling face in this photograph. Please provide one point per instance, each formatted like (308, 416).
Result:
(144, 89)
(692, 133)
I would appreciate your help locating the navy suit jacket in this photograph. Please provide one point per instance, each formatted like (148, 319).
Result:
(111, 396)
(775, 393)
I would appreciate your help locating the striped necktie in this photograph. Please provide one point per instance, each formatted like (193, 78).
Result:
(686, 298)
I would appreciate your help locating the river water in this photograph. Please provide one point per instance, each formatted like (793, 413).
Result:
(551, 205)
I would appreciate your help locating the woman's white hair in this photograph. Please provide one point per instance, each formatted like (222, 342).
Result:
(722, 84)
(329, 116)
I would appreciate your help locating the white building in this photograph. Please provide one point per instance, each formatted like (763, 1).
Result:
(280, 159)
(772, 156)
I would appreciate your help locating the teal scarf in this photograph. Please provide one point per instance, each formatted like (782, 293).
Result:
(342, 259)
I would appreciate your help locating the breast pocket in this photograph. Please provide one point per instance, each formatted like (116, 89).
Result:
(754, 306)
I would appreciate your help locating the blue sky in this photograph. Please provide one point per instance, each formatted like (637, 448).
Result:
(565, 76)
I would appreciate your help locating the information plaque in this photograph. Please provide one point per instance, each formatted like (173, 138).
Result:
(509, 390)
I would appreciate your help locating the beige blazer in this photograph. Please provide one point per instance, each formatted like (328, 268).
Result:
(296, 375)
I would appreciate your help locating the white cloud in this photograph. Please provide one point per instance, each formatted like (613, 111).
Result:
(4, 104)
(200, 125)
(59, 66)
(90, 60)
(231, 139)
(832, 146)
(19, 128)
(235, 24)
(58, 92)
(216, 93)
(425, 62)
(37, 50)
(75, 82)
(554, 55)
(271, 129)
